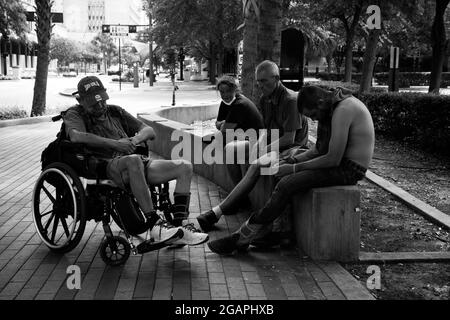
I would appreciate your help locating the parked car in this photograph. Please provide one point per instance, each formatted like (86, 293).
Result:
(69, 73)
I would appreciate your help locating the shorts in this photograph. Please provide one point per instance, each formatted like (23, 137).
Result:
(113, 172)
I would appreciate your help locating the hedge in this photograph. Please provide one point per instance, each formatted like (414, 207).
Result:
(348, 85)
(420, 119)
(7, 113)
(325, 76)
(405, 79)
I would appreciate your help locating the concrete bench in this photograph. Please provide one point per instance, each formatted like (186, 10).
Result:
(327, 223)
(326, 220)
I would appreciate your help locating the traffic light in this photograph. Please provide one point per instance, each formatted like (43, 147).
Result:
(105, 28)
(131, 29)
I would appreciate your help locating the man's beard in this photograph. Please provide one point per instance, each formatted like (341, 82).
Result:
(99, 111)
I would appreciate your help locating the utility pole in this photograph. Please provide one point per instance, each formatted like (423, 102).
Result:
(120, 69)
(150, 46)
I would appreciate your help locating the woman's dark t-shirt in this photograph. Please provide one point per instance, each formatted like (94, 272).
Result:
(243, 112)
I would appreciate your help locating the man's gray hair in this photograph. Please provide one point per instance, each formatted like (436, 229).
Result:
(269, 66)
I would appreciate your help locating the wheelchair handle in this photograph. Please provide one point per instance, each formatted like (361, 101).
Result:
(57, 118)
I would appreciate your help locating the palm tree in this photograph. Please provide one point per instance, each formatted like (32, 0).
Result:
(262, 39)
(43, 31)
(439, 44)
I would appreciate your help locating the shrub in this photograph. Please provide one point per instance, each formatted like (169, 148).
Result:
(7, 113)
(348, 85)
(325, 76)
(407, 79)
(418, 118)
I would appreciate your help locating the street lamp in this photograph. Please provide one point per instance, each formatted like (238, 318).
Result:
(104, 62)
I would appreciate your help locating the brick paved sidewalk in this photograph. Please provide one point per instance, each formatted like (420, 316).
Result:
(28, 270)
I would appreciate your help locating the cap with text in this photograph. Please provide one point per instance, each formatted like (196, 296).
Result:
(91, 91)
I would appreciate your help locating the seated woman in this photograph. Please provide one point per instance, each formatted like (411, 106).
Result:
(236, 112)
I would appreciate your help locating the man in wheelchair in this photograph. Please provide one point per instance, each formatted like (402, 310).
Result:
(113, 135)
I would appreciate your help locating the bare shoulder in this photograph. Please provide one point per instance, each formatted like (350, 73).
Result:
(352, 105)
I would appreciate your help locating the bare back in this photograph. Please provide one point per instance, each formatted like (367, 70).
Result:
(361, 133)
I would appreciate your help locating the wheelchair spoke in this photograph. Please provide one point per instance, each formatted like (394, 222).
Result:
(66, 229)
(55, 227)
(49, 221)
(49, 195)
(44, 214)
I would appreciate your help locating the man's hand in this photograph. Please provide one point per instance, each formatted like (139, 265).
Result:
(284, 170)
(219, 124)
(125, 145)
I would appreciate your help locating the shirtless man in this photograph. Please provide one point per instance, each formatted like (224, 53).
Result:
(344, 149)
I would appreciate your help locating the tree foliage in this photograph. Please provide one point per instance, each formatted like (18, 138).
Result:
(65, 50)
(12, 18)
(204, 28)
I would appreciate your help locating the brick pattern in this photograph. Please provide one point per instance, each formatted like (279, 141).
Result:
(29, 270)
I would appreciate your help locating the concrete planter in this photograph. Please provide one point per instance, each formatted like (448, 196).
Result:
(174, 122)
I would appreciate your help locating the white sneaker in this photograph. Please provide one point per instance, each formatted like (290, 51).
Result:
(163, 231)
(191, 236)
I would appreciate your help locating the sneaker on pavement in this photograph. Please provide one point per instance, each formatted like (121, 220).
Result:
(191, 236)
(207, 220)
(226, 245)
(163, 231)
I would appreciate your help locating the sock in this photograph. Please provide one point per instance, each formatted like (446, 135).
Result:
(152, 217)
(217, 211)
(180, 210)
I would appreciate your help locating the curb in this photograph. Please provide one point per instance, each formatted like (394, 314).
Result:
(30, 120)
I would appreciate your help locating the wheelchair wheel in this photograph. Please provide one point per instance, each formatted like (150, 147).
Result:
(59, 212)
(115, 251)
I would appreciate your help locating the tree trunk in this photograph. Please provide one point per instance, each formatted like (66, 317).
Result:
(350, 32)
(220, 51)
(269, 35)
(348, 59)
(43, 31)
(369, 60)
(439, 44)
(212, 63)
(269, 31)
(329, 58)
(250, 38)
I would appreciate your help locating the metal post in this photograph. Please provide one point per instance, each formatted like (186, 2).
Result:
(150, 47)
(172, 78)
(173, 96)
(120, 69)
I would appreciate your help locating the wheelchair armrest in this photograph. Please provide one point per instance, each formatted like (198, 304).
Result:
(142, 150)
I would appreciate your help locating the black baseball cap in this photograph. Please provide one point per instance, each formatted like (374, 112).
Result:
(91, 91)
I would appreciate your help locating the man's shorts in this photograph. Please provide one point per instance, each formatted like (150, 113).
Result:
(113, 172)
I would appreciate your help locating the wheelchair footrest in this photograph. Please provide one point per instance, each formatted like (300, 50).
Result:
(151, 245)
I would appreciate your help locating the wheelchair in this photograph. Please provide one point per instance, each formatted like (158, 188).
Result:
(64, 201)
